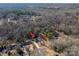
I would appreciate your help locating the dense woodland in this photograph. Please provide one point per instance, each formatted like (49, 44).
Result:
(16, 23)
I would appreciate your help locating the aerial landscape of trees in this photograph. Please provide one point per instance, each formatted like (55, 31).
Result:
(15, 24)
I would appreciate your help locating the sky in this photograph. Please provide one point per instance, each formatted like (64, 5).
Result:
(39, 1)
(34, 1)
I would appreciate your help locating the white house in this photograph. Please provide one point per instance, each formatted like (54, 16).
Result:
(12, 21)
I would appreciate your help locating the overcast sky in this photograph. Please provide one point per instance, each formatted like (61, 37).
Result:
(39, 1)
